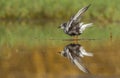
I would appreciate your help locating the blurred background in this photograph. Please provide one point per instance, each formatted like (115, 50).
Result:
(30, 39)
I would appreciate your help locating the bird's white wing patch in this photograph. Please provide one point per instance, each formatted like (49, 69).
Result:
(84, 52)
(84, 26)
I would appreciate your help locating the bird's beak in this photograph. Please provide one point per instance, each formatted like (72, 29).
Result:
(59, 52)
(59, 27)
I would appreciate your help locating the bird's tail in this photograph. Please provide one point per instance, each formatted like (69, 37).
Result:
(84, 53)
(84, 26)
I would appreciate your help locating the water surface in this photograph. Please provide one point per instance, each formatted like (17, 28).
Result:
(44, 61)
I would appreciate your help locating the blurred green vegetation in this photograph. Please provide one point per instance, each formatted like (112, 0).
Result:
(101, 10)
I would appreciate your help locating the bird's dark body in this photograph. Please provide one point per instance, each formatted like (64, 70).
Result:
(73, 30)
(73, 33)
(73, 49)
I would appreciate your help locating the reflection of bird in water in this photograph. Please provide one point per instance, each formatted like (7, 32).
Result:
(73, 52)
(74, 27)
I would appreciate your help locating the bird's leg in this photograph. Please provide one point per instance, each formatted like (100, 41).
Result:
(76, 39)
(73, 38)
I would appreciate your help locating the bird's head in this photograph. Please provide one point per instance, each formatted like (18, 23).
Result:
(63, 53)
(63, 26)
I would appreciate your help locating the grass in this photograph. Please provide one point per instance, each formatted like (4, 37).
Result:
(102, 10)
(29, 34)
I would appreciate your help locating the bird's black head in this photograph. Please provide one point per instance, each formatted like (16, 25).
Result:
(63, 53)
(63, 26)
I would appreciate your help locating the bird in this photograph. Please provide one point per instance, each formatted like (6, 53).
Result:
(74, 52)
(74, 27)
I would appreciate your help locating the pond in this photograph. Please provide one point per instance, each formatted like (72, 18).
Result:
(98, 57)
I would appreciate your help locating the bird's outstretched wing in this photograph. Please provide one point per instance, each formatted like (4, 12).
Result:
(77, 16)
(76, 60)
(80, 13)
(80, 65)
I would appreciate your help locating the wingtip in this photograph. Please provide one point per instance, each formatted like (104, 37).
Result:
(88, 5)
(87, 71)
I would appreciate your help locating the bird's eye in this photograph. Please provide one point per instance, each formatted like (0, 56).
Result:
(64, 54)
(64, 24)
